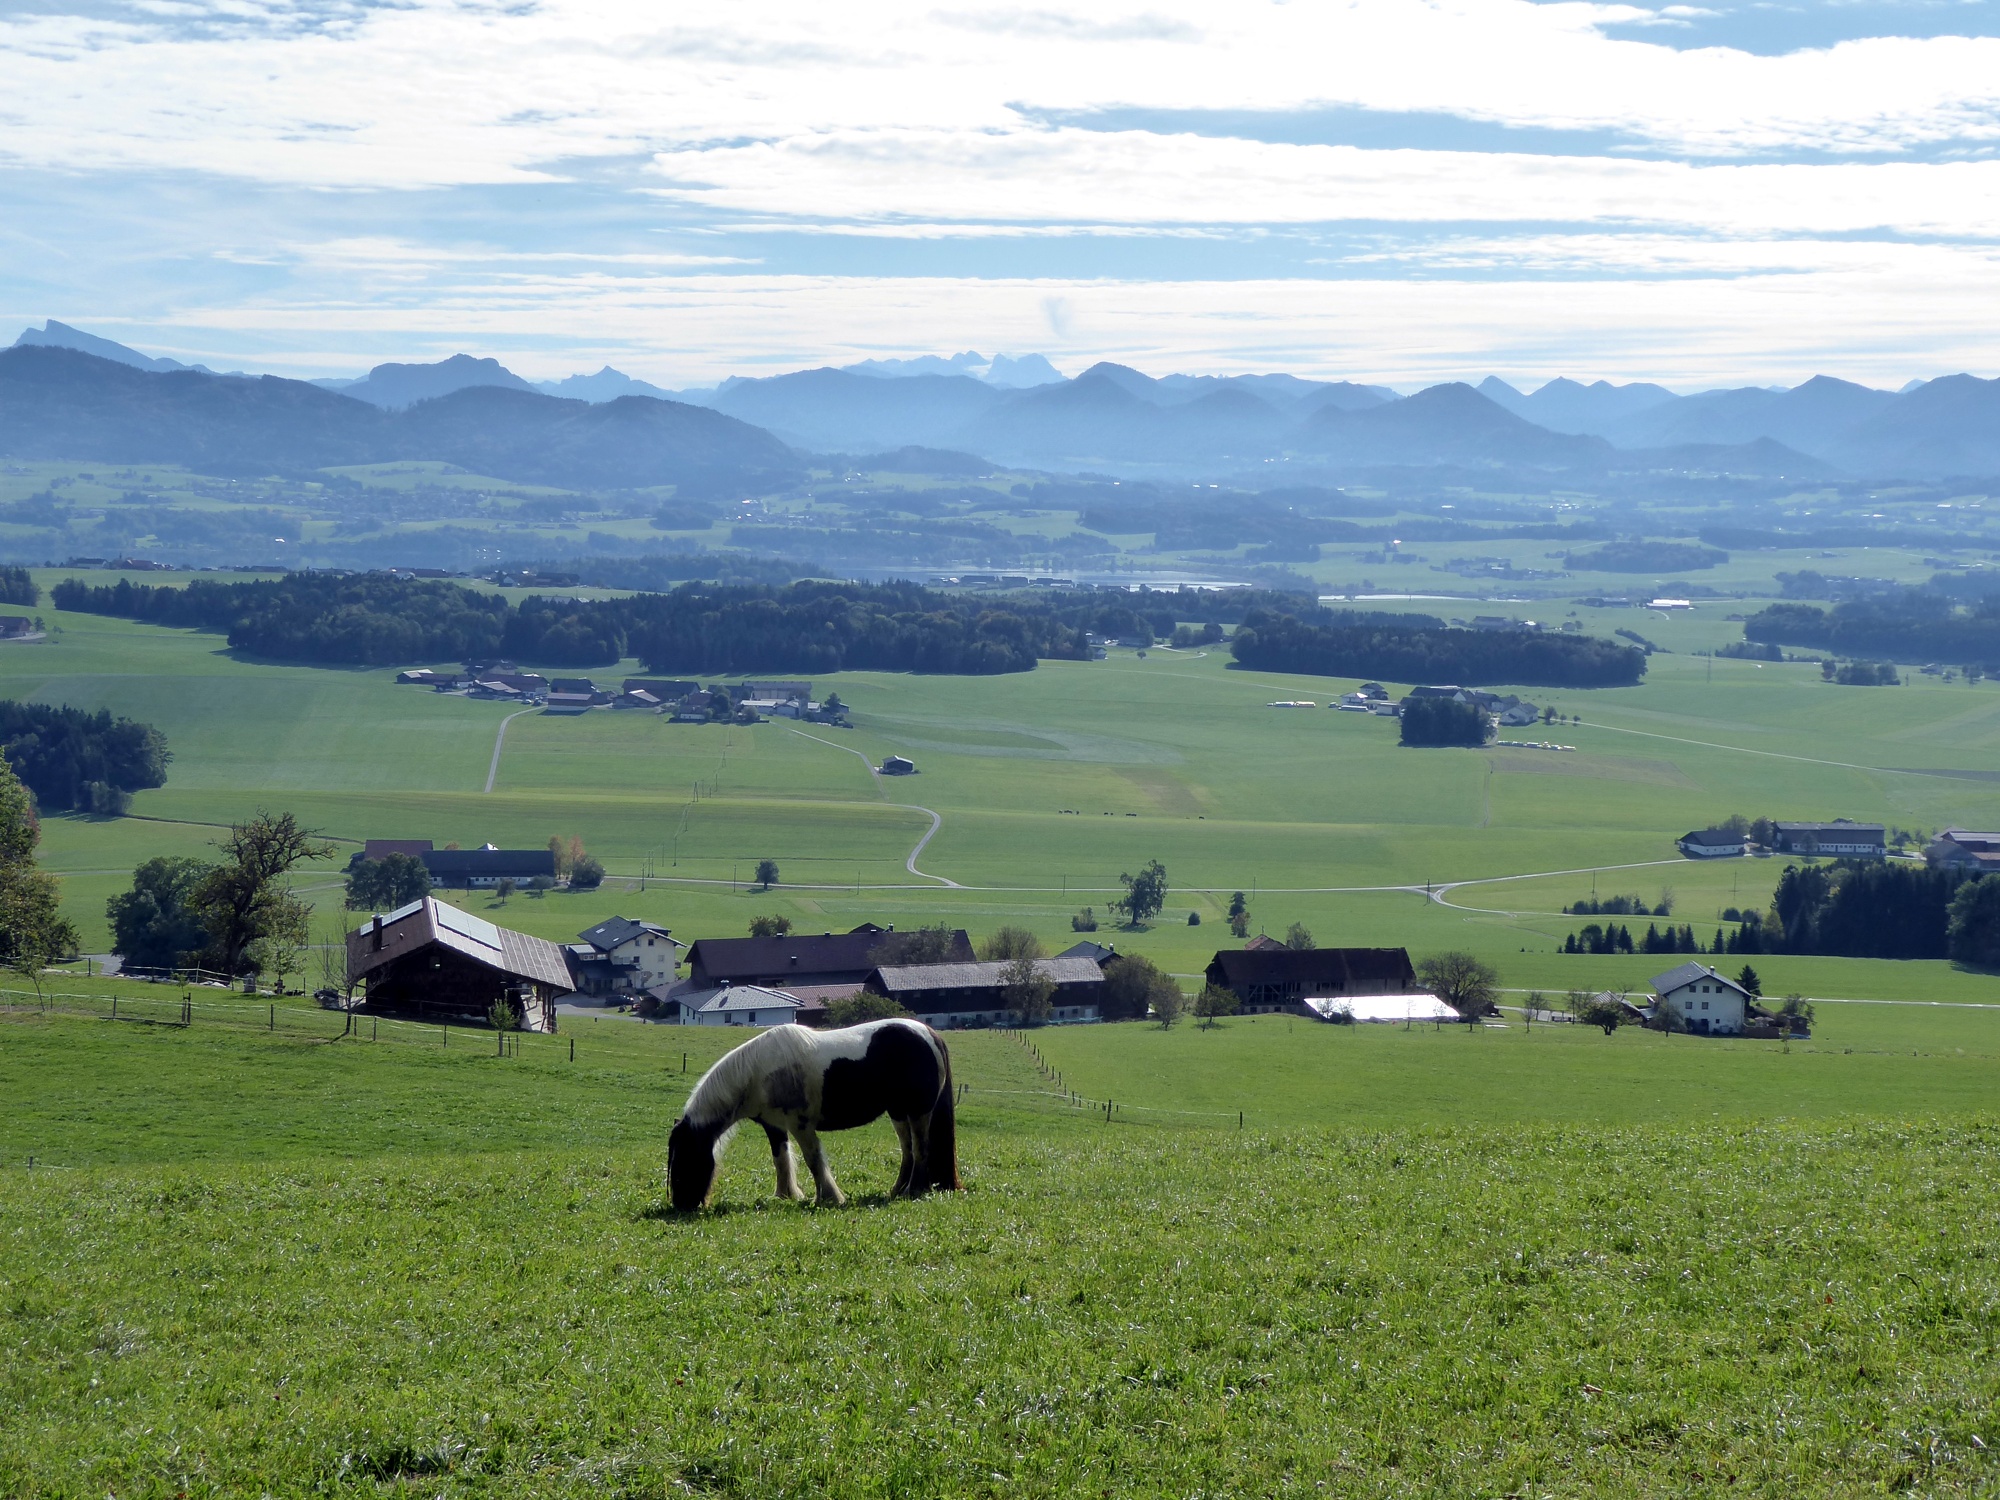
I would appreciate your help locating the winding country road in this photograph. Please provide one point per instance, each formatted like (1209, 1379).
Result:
(937, 818)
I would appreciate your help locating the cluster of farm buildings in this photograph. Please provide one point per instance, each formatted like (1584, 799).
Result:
(430, 960)
(1507, 710)
(1953, 849)
(684, 702)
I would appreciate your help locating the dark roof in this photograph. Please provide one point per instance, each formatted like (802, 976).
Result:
(383, 848)
(1095, 952)
(517, 862)
(1712, 838)
(1840, 827)
(1355, 971)
(571, 685)
(428, 921)
(753, 960)
(924, 978)
(612, 931)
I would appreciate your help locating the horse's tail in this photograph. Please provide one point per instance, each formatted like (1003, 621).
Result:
(944, 1129)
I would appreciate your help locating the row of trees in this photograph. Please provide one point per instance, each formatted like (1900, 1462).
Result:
(374, 619)
(1431, 722)
(72, 759)
(1413, 650)
(1846, 909)
(1916, 625)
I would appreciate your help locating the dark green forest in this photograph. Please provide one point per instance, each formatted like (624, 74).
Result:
(380, 620)
(1916, 625)
(73, 760)
(1415, 648)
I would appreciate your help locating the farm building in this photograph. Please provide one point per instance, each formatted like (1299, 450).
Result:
(568, 703)
(740, 1005)
(1706, 1003)
(1840, 839)
(666, 689)
(899, 765)
(1710, 843)
(1962, 849)
(621, 957)
(486, 867)
(1097, 953)
(796, 959)
(432, 962)
(1418, 1005)
(1265, 980)
(974, 994)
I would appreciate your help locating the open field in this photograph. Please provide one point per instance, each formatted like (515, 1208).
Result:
(272, 1264)
(1048, 784)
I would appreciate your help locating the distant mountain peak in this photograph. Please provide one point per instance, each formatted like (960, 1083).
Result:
(61, 336)
(394, 386)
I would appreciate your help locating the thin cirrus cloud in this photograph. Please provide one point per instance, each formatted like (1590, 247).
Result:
(1725, 190)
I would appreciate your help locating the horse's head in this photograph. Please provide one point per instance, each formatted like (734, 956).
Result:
(690, 1165)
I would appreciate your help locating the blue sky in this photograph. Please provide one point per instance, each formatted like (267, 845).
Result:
(1396, 190)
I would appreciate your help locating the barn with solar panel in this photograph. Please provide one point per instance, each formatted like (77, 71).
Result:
(429, 961)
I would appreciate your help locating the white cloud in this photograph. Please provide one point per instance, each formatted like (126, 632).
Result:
(912, 133)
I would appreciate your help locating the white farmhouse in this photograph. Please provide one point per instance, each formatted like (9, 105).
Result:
(621, 957)
(1703, 1001)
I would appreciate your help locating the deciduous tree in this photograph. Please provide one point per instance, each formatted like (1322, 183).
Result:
(1011, 942)
(244, 899)
(1145, 893)
(1463, 982)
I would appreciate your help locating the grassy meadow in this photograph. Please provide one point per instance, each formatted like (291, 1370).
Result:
(280, 1262)
(259, 1255)
(1051, 783)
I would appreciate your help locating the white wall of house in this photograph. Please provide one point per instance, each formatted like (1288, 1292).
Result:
(1708, 1006)
(644, 962)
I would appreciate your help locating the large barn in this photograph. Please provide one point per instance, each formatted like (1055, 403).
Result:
(1278, 979)
(430, 961)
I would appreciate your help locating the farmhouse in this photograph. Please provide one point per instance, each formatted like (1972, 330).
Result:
(1098, 953)
(622, 957)
(781, 692)
(1710, 843)
(1705, 1003)
(1265, 980)
(1840, 839)
(432, 962)
(786, 962)
(485, 867)
(975, 994)
(739, 1005)
(1962, 849)
(897, 765)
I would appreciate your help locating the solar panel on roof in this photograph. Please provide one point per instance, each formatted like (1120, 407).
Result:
(404, 911)
(466, 925)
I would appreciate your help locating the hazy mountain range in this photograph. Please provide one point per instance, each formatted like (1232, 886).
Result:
(65, 393)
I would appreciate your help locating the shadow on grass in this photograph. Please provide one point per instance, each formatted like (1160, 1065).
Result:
(666, 1213)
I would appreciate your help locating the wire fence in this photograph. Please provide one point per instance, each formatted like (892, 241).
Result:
(657, 1055)
(1111, 1109)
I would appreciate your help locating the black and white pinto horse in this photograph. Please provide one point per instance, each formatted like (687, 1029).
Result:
(798, 1082)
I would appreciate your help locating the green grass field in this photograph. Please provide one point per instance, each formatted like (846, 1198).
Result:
(1051, 783)
(255, 1262)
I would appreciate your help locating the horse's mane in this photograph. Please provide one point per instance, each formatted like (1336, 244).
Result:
(722, 1087)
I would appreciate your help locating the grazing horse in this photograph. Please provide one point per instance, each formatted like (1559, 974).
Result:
(791, 1080)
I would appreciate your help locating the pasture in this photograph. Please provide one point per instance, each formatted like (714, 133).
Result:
(280, 1262)
(1047, 785)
